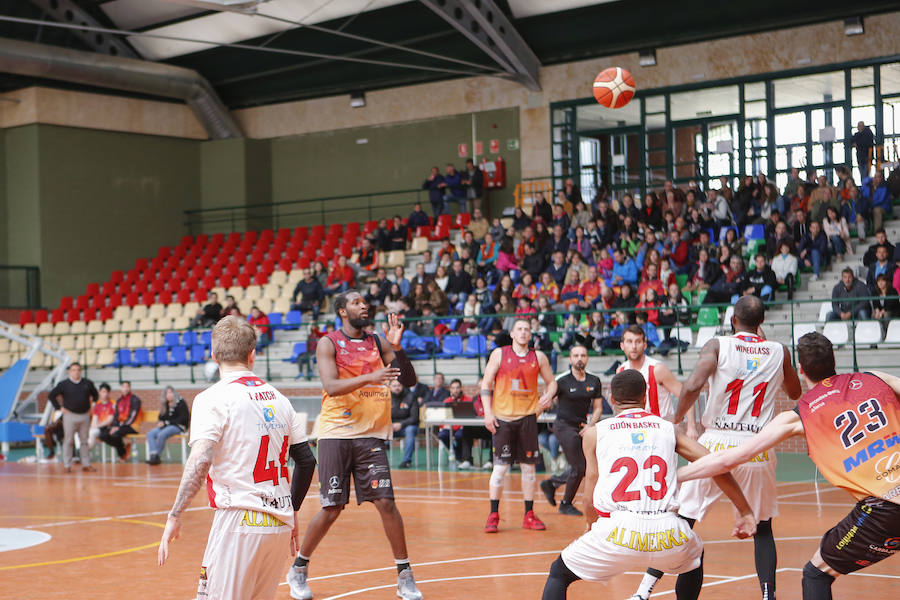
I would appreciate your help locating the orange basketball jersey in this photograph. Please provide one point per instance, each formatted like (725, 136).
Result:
(365, 412)
(516, 385)
(852, 425)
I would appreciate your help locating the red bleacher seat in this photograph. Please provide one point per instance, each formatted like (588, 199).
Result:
(132, 299)
(217, 238)
(202, 240)
(164, 252)
(274, 254)
(191, 283)
(233, 269)
(172, 262)
(173, 285)
(463, 220)
(235, 237)
(445, 219)
(140, 287)
(182, 272)
(141, 264)
(57, 315)
(97, 302)
(261, 278)
(423, 231)
(243, 280)
(179, 252)
(117, 277)
(258, 255)
(165, 297)
(205, 260)
(183, 296)
(352, 228)
(369, 227)
(148, 298)
(247, 246)
(292, 252)
(283, 234)
(157, 263)
(201, 294)
(132, 276)
(335, 228)
(107, 313)
(72, 315)
(317, 230)
(89, 314)
(93, 289)
(440, 232)
(303, 262)
(226, 280)
(82, 302)
(267, 267)
(108, 288)
(165, 274)
(158, 285)
(216, 270)
(41, 316)
(114, 301)
(251, 236)
(187, 241)
(66, 302)
(286, 264)
(208, 282)
(26, 317)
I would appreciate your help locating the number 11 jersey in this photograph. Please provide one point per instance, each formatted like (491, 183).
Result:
(742, 390)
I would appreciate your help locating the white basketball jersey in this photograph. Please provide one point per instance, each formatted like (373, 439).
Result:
(253, 426)
(636, 461)
(658, 400)
(742, 390)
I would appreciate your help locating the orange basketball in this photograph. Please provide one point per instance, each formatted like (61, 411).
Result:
(614, 87)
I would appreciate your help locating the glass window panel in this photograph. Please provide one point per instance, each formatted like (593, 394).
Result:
(819, 121)
(781, 180)
(890, 78)
(591, 117)
(655, 121)
(891, 116)
(864, 96)
(755, 110)
(655, 104)
(862, 113)
(754, 91)
(790, 128)
(818, 155)
(809, 89)
(862, 76)
(704, 103)
(781, 158)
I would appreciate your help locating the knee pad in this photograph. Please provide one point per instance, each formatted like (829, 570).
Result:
(498, 475)
(528, 472)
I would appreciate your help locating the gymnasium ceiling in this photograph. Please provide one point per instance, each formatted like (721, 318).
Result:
(260, 59)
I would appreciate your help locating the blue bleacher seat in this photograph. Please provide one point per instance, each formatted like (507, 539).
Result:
(141, 357)
(123, 358)
(206, 338)
(754, 232)
(161, 355)
(452, 347)
(171, 338)
(198, 354)
(189, 338)
(299, 348)
(178, 356)
(275, 319)
(475, 345)
(293, 319)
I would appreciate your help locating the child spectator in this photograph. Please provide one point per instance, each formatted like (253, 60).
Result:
(101, 415)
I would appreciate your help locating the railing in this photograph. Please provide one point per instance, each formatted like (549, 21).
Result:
(309, 211)
(778, 330)
(20, 286)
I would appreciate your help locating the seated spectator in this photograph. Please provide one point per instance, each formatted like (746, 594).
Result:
(367, 262)
(589, 291)
(526, 288)
(471, 310)
(533, 261)
(401, 280)
(260, 323)
(308, 295)
(398, 235)
(582, 245)
(418, 218)
(210, 314)
(876, 192)
(437, 393)
(127, 413)
(880, 240)
(463, 436)
(496, 229)
(478, 225)
(820, 198)
(542, 208)
(506, 260)
(447, 249)
(649, 303)
(437, 299)
(441, 278)
(435, 186)
(520, 220)
(547, 288)
(604, 263)
(793, 184)
(381, 237)
(341, 278)
(881, 266)
(393, 302)
(561, 218)
(885, 308)
(674, 308)
(452, 187)
(306, 359)
(845, 299)
(373, 298)
(320, 272)
(101, 417)
(625, 301)
(784, 265)
(405, 420)
(703, 273)
(174, 418)
(459, 284)
(624, 270)
(837, 232)
(558, 268)
(570, 294)
(855, 209)
(761, 280)
(733, 242)
(814, 249)
(728, 287)
(650, 280)
(431, 265)
(558, 242)
(676, 252)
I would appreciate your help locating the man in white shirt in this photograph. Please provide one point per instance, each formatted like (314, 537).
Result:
(242, 431)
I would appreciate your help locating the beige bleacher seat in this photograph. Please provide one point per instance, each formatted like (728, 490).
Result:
(156, 310)
(174, 310)
(418, 245)
(281, 305)
(294, 277)
(30, 328)
(506, 222)
(78, 327)
(129, 325)
(105, 356)
(4, 344)
(112, 326)
(45, 328)
(135, 340)
(391, 259)
(100, 341)
(153, 339)
(181, 322)
(252, 292)
(222, 292)
(147, 324)
(89, 357)
(6, 360)
(68, 342)
(265, 304)
(62, 328)
(191, 308)
(893, 332)
(271, 290)
(164, 323)
(94, 327)
(278, 278)
(237, 291)
(139, 312)
(122, 312)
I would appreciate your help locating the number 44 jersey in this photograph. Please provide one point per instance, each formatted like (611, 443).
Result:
(636, 462)
(253, 426)
(742, 390)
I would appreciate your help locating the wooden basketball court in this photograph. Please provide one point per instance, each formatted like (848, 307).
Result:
(105, 528)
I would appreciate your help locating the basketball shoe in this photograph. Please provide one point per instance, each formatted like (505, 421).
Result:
(406, 586)
(296, 578)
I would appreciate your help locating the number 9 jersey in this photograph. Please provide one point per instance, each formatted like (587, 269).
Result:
(636, 462)
(852, 425)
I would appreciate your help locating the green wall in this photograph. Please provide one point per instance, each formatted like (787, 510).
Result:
(396, 157)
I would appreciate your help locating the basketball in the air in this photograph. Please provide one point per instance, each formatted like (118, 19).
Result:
(614, 87)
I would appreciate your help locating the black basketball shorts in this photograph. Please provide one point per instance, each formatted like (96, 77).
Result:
(516, 441)
(868, 534)
(365, 458)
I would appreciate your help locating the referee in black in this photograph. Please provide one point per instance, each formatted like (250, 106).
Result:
(576, 391)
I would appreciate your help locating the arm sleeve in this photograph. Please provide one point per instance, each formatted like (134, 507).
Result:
(304, 466)
(407, 372)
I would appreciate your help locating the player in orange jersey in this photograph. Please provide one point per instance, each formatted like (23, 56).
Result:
(852, 427)
(509, 394)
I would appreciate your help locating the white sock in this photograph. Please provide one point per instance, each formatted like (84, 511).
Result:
(647, 584)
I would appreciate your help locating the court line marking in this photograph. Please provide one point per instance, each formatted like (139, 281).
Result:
(854, 573)
(393, 585)
(806, 492)
(80, 520)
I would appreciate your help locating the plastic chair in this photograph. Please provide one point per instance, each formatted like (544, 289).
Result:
(893, 332)
(708, 316)
(868, 332)
(801, 329)
(293, 319)
(476, 345)
(123, 358)
(837, 332)
(177, 356)
(141, 357)
(198, 354)
(704, 335)
(452, 346)
(299, 348)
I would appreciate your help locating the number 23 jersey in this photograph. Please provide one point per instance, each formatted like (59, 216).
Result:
(253, 426)
(636, 463)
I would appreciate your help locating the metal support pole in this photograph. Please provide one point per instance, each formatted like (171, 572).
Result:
(853, 338)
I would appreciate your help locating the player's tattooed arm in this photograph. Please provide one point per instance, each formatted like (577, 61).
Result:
(705, 367)
(194, 477)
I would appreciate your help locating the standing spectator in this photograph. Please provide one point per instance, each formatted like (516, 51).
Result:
(761, 281)
(101, 415)
(381, 238)
(784, 265)
(452, 188)
(174, 419)
(814, 249)
(881, 266)
(845, 302)
(128, 411)
(77, 394)
(478, 225)
(310, 294)
(877, 193)
(210, 314)
(398, 235)
(473, 179)
(434, 184)
(864, 142)
(418, 218)
(437, 393)
(404, 419)
(341, 277)
(260, 323)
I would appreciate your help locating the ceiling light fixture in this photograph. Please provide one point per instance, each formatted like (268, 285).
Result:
(854, 26)
(647, 58)
(357, 99)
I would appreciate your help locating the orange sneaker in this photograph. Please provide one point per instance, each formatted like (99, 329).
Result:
(532, 522)
(492, 523)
